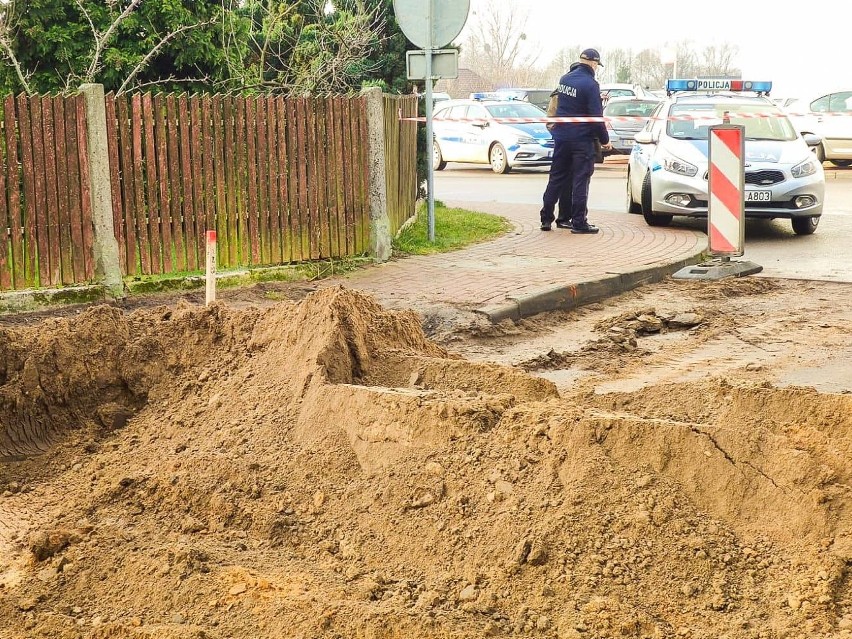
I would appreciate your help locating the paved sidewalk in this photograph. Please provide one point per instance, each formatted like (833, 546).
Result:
(530, 271)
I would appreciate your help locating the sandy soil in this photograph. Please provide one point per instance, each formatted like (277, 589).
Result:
(292, 462)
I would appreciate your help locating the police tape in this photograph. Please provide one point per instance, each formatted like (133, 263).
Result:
(628, 118)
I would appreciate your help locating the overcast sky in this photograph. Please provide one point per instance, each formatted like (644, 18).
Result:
(804, 50)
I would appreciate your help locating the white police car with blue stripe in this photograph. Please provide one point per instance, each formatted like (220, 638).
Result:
(471, 131)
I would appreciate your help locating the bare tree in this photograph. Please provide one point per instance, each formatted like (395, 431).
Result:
(648, 70)
(618, 67)
(496, 44)
(718, 61)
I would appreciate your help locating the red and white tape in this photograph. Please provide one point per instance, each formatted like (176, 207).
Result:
(626, 118)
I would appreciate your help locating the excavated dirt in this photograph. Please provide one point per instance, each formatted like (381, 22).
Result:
(671, 463)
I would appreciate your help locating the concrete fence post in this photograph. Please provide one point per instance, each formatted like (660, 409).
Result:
(106, 255)
(380, 236)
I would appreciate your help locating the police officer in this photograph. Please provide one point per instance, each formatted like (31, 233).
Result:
(574, 144)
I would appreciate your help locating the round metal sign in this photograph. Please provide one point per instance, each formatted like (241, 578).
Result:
(448, 18)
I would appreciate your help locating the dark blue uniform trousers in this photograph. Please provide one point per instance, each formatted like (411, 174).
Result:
(570, 172)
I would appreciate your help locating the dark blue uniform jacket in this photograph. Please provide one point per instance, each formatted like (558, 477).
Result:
(579, 94)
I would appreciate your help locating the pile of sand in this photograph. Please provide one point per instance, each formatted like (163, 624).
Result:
(321, 469)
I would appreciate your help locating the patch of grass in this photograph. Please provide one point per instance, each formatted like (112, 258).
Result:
(454, 229)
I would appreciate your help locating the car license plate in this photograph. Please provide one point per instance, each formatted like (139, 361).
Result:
(628, 143)
(758, 196)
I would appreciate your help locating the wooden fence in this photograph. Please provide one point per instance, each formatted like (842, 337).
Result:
(401, 154)
(279, 179)
(45, 210)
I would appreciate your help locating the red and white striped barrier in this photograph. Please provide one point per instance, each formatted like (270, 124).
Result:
(726, 212)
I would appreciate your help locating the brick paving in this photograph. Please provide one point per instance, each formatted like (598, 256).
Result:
(524, 261)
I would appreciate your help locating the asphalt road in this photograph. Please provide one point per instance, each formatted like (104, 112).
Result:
(825, 255)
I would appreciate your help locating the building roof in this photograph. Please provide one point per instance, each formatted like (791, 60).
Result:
(468, 82)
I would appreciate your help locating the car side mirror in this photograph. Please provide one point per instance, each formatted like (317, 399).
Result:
(812, 140)
(644, 137)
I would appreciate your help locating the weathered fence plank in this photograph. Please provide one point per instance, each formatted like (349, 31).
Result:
(207, 164)
(219, 185)
(274, 256)
(151, 182)
(128, 184)
(18, 241)
(262, 181)
(140, 208)
(284, 179)
(163, 198)
(175, 182)
(197, 238)
(294, 197)
(110, 110)
(231, 195)
(66, 247)
(6, 236)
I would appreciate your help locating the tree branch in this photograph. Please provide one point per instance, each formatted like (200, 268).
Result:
(7, 50)
(148, 56)
(102, 39)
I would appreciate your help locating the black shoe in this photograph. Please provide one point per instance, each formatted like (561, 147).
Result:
(545, 227)
(586, 229)
(563, 225)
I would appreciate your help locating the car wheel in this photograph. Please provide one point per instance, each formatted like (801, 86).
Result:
(632, 205)
(819, 151)
(842, 163)
(647, 206)
(437, 159)
(498, 159)
(805, 225)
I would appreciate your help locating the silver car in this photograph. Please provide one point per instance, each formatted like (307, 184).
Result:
(471, 131)
(830, 117)
(625, 117)
(667, 172)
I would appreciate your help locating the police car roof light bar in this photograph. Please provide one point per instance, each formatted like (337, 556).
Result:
(484, 96)
(717, 84)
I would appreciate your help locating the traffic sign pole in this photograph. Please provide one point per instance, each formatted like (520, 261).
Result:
(435, 31)
(430, 164)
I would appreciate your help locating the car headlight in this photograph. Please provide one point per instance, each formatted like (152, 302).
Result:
(527, 140)
(676, 165)
(806, 168)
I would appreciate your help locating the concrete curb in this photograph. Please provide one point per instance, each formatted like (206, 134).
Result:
(39, 299)
(568, 296)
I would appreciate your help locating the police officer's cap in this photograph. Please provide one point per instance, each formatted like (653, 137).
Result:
(592, 55)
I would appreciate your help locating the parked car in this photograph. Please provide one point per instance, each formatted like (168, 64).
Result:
(784, 102)
(830, 117)
(667, 173)
(538, 97)
(625, 117)
(470, 131)
(621, 90)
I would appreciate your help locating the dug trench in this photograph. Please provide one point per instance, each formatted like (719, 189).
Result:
(321, 468)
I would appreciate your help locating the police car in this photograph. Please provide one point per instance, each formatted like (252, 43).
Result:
(667, 173)
(470, 131)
